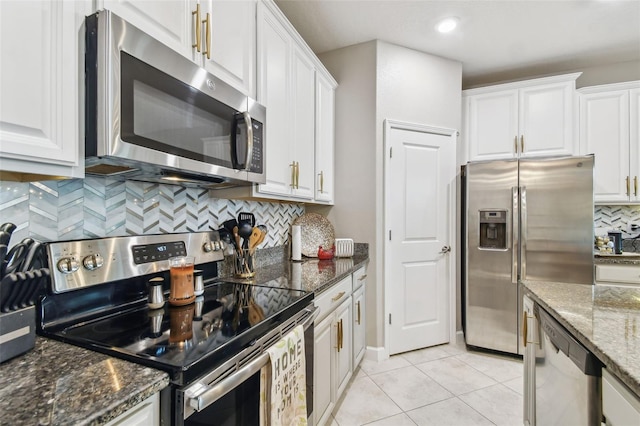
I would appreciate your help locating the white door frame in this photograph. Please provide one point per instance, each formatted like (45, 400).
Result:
(390, 124)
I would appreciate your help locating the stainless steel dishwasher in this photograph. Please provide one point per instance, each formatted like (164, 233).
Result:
(567, 377)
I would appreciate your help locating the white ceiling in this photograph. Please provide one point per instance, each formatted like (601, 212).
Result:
(497, 39)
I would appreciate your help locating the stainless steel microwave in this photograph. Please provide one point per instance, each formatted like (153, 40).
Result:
(153, 115)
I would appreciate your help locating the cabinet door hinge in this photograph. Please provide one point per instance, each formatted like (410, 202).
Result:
(389, 319)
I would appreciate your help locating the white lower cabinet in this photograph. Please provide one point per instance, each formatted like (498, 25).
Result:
(333, 350)
(618, 274)
(147, 413)
(619, 405)
(359, 324)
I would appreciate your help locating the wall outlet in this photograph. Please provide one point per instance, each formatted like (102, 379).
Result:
(633, 228)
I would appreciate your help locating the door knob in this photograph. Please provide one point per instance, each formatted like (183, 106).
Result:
(445, 249)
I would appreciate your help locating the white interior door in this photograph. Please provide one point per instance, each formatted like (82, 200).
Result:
(419, 175)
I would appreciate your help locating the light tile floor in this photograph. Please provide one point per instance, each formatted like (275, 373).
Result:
(442, 385)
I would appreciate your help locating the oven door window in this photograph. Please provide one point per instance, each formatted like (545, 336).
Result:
(162, 113)
(241, 407)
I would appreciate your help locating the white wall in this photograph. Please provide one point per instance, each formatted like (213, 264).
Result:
(353, 215)
(378, 80)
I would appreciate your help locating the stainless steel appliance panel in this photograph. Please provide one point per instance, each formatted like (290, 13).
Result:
(161, 114)
(567, 378)
(491, 281)
(557, 219)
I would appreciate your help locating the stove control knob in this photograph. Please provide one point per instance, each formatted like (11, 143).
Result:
(67, 265)
(216, 245)
(93, 261)
(207, 247)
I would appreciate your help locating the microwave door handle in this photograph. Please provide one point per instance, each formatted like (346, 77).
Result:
(249, 124)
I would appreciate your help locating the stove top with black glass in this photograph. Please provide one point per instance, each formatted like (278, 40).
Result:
(89, 309)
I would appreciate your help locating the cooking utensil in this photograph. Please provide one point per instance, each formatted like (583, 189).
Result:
(247, 217)
(245, 230)
(238, 243)
(253, 239)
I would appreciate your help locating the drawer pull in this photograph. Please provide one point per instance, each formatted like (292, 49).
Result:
(363, 277)
(337, 296)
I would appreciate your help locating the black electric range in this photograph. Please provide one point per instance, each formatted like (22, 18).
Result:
(98, 300)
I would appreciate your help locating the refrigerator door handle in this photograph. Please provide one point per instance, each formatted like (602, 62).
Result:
(523, 232)
(515, 211)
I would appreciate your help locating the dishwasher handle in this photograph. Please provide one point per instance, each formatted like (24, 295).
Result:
(582, 357)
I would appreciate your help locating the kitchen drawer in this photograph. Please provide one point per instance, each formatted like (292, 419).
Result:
(619, 405)
(622, 274)
(331, 298)
(359, 277)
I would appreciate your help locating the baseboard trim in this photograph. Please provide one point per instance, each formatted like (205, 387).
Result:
(375, 354)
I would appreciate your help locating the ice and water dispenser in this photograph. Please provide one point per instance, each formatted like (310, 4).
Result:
(493, 229)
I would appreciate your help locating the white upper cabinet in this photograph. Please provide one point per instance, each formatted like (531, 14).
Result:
(219, 35)
(325, 138)
(41, 121)
(168, 21)
(226, 43)
(299, 123)
(528, 118)
(609, 128)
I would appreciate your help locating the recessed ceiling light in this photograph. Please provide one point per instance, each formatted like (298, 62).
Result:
(447, 25)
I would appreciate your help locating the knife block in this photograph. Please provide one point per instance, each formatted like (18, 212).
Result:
(17, 332)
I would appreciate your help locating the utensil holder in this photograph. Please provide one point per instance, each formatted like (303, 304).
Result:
(244, 266)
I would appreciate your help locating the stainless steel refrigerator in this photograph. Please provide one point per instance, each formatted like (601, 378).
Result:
(525, 219)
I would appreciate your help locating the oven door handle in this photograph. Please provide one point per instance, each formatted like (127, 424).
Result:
(200, 397)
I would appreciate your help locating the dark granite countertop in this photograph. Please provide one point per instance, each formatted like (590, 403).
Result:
(617, 259)
(310, 275)
(60, 384)
(606, 319)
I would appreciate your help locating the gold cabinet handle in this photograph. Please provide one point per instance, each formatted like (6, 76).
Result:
(321, 190)
(197, 27)
(297, 175)
(337, 296)
(293, 174)
(515, 144)
(341, 335)
(521, 144)
(524, 329)
(207, 37)
(358, 312)
(363, 277)
(635, 185)
(628, 186)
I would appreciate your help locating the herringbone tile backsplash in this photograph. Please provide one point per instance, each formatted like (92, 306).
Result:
(99, 207)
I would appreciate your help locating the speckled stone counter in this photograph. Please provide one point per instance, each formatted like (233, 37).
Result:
(618, 259)
(606, 319)
(60, 384)
(310, 275)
